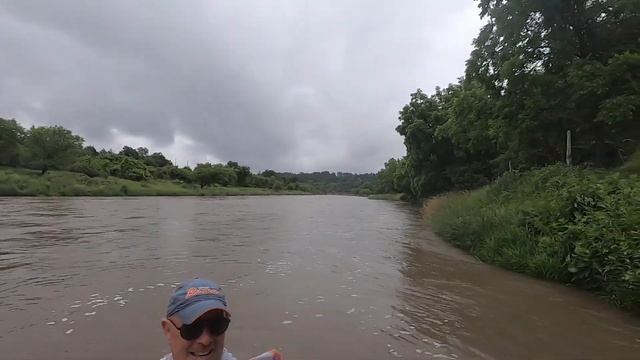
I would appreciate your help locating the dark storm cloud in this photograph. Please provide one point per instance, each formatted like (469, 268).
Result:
(289, 85)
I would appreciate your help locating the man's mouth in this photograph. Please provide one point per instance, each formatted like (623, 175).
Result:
(201, 354)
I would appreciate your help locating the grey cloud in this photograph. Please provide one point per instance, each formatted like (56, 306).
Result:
(289, 85)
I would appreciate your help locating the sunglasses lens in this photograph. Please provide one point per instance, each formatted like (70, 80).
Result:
(191, 331)
(219, 326)
(216, 327)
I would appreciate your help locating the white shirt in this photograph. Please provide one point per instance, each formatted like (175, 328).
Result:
(225, 356)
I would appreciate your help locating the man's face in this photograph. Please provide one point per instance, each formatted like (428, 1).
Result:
(206, 347)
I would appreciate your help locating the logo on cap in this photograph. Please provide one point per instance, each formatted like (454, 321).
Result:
(195, 291)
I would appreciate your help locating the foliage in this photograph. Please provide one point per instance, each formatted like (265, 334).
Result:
(567, 224)
(207, 175)
(23, 182)
(268, 173)
(243, 173)
(277, 185)
(156, 159)
(538, 69)
(436, 162)
(51, 147)
(91, 166)
(57, 148)
(126, 167)
(90, 151)
(184, 174)
(129, 152)
(393, 178)
(11, 136)
(331, 182)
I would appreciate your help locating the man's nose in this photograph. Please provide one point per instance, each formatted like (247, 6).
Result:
(206, 338)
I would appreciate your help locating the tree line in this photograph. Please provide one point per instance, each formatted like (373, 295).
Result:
(538, 69)
(56, 148)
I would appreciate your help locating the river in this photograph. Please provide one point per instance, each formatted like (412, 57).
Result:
(319, 277)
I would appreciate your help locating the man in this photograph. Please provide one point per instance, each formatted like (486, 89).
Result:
(196, 322)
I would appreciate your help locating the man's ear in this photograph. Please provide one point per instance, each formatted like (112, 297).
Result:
(166, 327)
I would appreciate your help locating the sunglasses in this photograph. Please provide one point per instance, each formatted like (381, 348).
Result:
(216, 327)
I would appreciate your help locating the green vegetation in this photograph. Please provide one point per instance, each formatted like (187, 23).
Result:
(104, 172)
(23, 182)
(334, 182)
(51, 147)
(538, 70)
(566, 224)
(393, 178)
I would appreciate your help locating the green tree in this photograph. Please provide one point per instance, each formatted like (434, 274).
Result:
(428, 155)
(156, 159)
(269, 173)
(91, 151)
(11, 137)
(401, 180)
(207, 175)
(544, 64)
(129, 152)
(261, 181)
(92, 166)
(142, 152)
(52, 147)
(243, 175)
(278, 185)
(128, 168)
(386, 177)
(538, 69)
(184, 174)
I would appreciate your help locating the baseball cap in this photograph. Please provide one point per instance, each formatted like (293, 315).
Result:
(195, 297)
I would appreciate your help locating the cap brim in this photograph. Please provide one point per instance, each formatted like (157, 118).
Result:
(194, 311)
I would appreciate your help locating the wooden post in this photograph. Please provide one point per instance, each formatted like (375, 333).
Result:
(568, 159)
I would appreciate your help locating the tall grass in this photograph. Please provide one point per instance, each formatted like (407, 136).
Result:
(23, 182)
(571, 225)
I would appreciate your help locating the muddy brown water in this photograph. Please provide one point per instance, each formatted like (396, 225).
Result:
(319, 277)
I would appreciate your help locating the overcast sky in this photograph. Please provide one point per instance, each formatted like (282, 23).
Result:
(287, 85)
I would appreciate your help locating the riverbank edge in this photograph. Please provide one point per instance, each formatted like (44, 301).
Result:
(390, 197)
(24, 182)
(570, 225)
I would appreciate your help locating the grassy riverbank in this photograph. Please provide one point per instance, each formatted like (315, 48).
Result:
(571, 225)
(24, 182)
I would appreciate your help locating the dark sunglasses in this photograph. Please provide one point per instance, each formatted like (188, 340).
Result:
(216, 326)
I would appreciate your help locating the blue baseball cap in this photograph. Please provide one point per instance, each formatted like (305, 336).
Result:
(194, 298)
